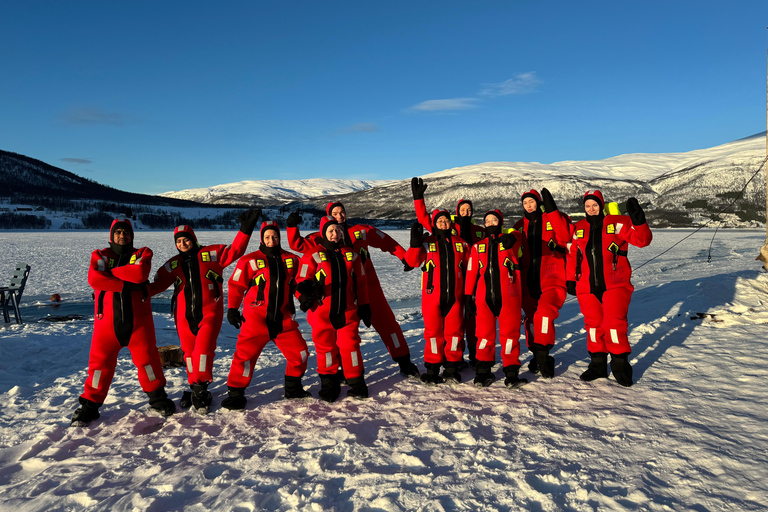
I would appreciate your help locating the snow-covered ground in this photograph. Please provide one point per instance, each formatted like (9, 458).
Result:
(690, 435)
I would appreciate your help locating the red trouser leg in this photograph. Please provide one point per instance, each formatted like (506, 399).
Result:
(143, 347)
(592, 309)
(529, 308)
(199, 350)
(453, 329)
(547, 310)
(294, 348)
(324, 338)
(251, 341)
(615, 306)
(433, 330)
(485, 328)
(348, 341)
(509, 331)
(102, 361)
(385, 323)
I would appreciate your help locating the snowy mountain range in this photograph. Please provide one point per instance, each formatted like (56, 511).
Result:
(677, 189)
(273, 191)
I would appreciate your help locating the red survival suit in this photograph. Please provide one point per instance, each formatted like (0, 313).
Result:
(198, 308)
(123, 318)
(264, 281)
(546, 236)
(443, 259)
(597, 262)
(493, 277)
(333, 285)
(361, 237)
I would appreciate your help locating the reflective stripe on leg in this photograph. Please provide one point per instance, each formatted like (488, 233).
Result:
(395, 341)
(509, 346)
(96, 377)
(481, 345)
(544, 325)
(203, 360)
(150, 373)
(190, 368)
(355, 362)
(433, 342)
(614, 336)
(454, 343)
(246, 368)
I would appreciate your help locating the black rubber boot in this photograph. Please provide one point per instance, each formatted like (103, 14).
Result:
(484, 376)
(330, 388)
(201, 397)
(433, 374)
(186, 400)
(357, 388)
(407, 367)
(512, 380)
(544, 362)
(236, 400)
(451, 372)
(86, 413)
(159, 401)
(621, 369)
(533, 365)
(294, 389)
(598, 368)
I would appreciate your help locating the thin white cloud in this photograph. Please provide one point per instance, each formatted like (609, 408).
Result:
(76, 160)
(87, 115)
(524, 83)
(445, 105)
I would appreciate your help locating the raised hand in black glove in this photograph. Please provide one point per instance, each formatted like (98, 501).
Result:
(570, 286)
(294, 219)
(417, 235)
(234, 317)
(635, 212)
(364, 312)
(469, 304)
(406, 266)
(249, 219)
(418, 187)
(507, 240)
(548, 201)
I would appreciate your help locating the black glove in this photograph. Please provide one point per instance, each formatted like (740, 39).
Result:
(294, 219)
(418, 187)
(406, 266)
(248, 220)
(417, 235)
(635, 212)
(507, 240)
(469, 304)
(364, 312)
(548, 201)
(306, 302)
(306, 287)
(234, 317)
(571, 287)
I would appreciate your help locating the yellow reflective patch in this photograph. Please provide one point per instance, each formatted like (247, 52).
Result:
(613, 247)
(459, 247)
(133, 260)
(320, 275)
(349, 256)
(481, 248)
(432, 247)
(610, 229)
(289, 263)
(478, 234)
(579, 233)
(111, 262)
(259, 279)
(206, 256)
(358, 235)
(501, 247)
(480, 264)
(177, 281)
(261, 263)
(507, 262)
(174, 264)
(323, 257)
(549, 226)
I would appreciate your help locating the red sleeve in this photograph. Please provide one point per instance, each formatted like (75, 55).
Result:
(570, 261)
(380, 240)
(415, 256)
(639, 236)
(238, 283)
(473, 269)
(100, 277)
(362, 280)
(421, 214)
(230, 253)
(138, 271)
(307, 268)
(562, 226)
(163, 279)
(298, 243)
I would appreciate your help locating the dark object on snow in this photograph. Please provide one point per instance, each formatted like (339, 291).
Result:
(62, 318)
(598, 368)
(236, 400)
(10, 296)
(86, 413)
(171, 356)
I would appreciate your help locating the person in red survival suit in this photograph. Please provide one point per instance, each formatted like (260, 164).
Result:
(463, 226)
(267, 280)
(442, 257)
(333, 289)
(361, 237)
(547, 233)
(493, 277)
(599, 275)
(198, 311)
(123, 318)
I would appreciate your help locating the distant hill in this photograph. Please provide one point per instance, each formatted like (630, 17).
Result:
(26, 180)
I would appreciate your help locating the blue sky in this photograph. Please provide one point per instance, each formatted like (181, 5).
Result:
(167, 95)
